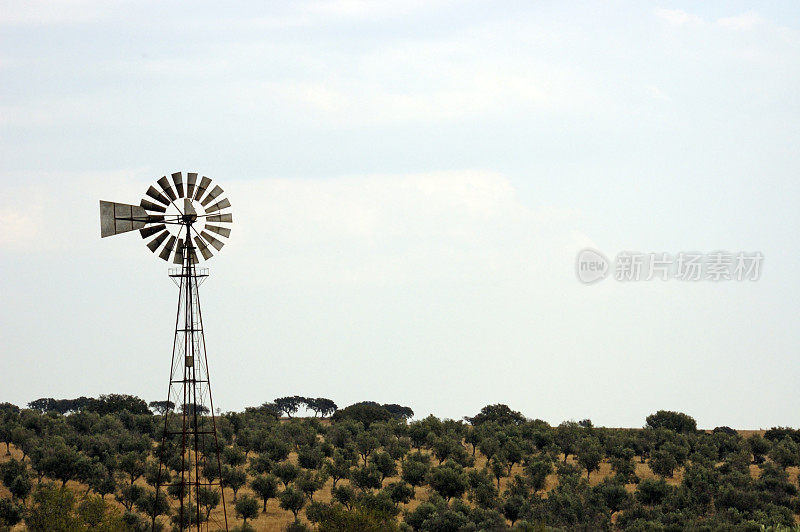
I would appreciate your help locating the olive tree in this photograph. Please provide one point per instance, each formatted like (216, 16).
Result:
(266, 487)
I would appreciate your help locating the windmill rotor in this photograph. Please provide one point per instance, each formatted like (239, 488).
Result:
(174, 214)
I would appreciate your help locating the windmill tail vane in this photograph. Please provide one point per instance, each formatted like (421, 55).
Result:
(179, 219)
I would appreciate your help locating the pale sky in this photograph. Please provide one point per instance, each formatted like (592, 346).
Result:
(411, 183)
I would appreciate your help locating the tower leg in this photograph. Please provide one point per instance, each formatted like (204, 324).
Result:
(189, 442)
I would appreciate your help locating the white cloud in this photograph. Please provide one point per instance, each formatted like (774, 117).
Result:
(401, 83)
(368, 8)
(64, 213)
(678, 17)
(394, 228)
(398, 84)
(42, 13)
(745, 21)
(657, 93)
(27, 212)
(20, 226)
(75, 12)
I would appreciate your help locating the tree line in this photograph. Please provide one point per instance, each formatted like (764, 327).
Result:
(380, 470)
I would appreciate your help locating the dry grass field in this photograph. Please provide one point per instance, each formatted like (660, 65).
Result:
(277, 519)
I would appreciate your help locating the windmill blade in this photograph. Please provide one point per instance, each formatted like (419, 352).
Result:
(165, 253)
(177, 178)
(201, 188)
(203, 248)
(164, 184)
(179, 253)
(150, 206)
(188, 208)
(147, 232)
(193, 255)
(191, 179)
(222, 204)
(220, 218)
(156, 195)
(216, 191)
(116, 218)
(153, 244)
(224, 231)
(213, 241)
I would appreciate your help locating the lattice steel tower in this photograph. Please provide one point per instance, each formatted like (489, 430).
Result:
(180, 223)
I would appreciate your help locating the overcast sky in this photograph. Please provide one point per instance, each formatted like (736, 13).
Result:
(411, 182)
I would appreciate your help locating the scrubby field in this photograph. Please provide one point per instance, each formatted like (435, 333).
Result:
(368, 468)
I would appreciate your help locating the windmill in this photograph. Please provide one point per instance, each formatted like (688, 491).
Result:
(179, 219)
